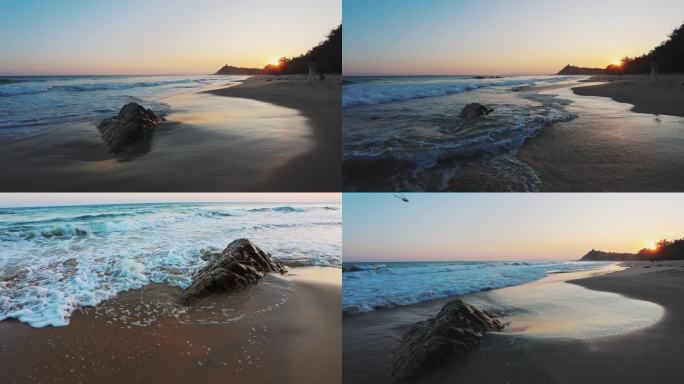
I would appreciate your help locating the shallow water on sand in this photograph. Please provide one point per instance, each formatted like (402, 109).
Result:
(209, 143)
(553, 308)
(607, 148)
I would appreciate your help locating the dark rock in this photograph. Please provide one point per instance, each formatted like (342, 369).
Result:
(353, 268)
(433, 343)
(70, 263)
(474, 110)
(240, 265)
(133, 124)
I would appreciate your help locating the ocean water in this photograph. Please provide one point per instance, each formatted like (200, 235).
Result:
(370, 286)
(32, 105)
(55, 260)
(408, 130)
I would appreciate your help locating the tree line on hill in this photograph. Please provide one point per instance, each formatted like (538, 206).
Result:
(669, 56)
(664, 250)
(327, 57)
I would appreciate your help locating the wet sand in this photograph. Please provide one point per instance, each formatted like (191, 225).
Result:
(208, 144)
(648, 354)
(665, 96)
(320, 102)
(282, 330)
(607, 148)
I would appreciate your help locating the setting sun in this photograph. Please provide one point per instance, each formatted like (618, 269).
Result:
(650, 245)
(617, 61)
(275, 62)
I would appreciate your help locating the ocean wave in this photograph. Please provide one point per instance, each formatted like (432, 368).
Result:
(67, 231)
(76, 218)
(216, 214)
(361, 267)
(374, 286)
(102, 86)
(390, 90)
(296, 225)
(277, 209)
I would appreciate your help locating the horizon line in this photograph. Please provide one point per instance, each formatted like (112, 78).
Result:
(451, 260)
(452, 74)
(166, 202)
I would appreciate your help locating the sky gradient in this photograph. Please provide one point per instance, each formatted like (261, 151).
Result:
(451, 37)
(60, 199)
(508, 226)
(84, 37)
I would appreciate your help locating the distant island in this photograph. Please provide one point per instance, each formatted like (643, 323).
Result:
(327, 54)
(664, 250)
(669, 56)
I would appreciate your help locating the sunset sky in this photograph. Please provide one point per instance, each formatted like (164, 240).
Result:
(45, 37)
(459, 226)
(57, 199)
(449, 37)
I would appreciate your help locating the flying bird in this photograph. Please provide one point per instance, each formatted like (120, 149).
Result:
(401, 197)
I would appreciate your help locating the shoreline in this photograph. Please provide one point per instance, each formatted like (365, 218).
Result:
(531, 359)
(317, 102)
(665, 97)
(607, 147)
(289, 324)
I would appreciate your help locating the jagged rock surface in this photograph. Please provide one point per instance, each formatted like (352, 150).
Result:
(133, 124)
(433, 343)
(240, 265)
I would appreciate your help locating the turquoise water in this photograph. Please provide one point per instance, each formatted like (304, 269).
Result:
(55, 260)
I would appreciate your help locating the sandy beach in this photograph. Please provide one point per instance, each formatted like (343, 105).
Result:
(550, 343)
(664, 97)
(609, 146)
(282, 330)
(261, 138)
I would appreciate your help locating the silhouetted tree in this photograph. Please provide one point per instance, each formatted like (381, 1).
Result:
(669, 55)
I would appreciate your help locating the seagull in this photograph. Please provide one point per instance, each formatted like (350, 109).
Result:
(401, 197)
